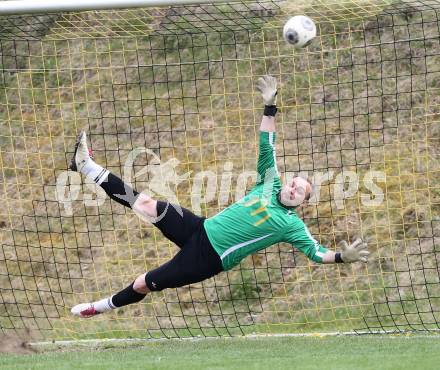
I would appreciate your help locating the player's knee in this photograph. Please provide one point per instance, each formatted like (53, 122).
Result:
(140, 285)
(145, 205)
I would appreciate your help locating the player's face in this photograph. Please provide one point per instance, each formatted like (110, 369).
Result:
(293, 194)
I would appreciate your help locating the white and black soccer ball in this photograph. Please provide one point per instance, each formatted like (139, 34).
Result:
(299, 31)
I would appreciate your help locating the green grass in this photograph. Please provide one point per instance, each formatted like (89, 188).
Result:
(348, 352)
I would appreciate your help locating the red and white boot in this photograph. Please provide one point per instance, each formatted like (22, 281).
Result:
(82, 161)
(85, 310)
(81, 154)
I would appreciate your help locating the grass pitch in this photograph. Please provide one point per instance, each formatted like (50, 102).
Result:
(305, 353)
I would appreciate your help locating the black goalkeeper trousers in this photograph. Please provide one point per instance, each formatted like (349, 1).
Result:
(196, 261)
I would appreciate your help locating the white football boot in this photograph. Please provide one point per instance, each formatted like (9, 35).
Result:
(85, 310)
(82, 154)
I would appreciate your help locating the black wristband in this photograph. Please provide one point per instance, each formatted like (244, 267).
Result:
(270, 110)
(338, 258)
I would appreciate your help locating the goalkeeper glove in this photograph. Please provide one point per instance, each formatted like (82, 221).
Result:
(354, 252)
(267, 86)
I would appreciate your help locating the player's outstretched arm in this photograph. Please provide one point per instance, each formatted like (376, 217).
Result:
(302, 239)
(266, 166)
(267, 85)
(357, 251)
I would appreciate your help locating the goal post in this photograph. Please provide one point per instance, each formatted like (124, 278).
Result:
(167, 95)
(15, 7)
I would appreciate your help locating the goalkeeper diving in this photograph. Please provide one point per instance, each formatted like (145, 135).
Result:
(209, 246)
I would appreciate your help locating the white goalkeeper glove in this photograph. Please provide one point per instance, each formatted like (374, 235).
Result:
(357, 251)
(267, 86)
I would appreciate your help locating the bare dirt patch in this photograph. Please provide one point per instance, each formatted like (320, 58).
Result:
(13, 343)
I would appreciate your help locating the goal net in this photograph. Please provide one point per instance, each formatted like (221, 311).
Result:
(167, 96)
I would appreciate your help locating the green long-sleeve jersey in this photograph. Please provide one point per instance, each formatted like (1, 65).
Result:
(259, 220)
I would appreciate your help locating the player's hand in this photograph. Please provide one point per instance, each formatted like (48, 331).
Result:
(354, 252)
(267, 86)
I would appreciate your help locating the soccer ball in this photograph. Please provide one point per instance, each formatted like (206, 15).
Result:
(299, 31)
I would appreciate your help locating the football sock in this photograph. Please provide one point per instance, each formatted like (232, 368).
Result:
(119, 191)
(126, 296)
(94, 171)
(123, 298)
(115, 188)
(104, 305)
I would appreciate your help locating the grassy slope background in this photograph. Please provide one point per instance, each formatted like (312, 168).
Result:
(346, 103)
